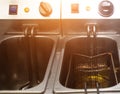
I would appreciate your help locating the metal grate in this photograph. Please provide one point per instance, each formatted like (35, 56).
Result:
(96, 71)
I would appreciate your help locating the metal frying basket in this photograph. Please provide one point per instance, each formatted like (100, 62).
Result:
(91, 71)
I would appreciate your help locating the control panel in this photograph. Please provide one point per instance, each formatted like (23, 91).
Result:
(59, 9)
(90, 9)
(29, 9)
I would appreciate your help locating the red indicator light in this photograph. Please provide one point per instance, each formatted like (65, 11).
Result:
(75, 8)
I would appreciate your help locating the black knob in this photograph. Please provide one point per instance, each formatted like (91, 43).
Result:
(45, 9)
(106, 8)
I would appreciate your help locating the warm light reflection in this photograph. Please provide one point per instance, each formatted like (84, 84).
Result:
(56, 7)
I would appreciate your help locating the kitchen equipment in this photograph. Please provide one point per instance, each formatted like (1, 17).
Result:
(89, 60)
(28, 41)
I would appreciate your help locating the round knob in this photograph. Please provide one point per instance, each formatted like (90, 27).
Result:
(106, 8)
(45, 9)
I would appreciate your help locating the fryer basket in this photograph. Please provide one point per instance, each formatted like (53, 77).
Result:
(91, 71)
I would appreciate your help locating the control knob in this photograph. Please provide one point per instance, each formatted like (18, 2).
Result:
(106, 8)
(45, 9)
